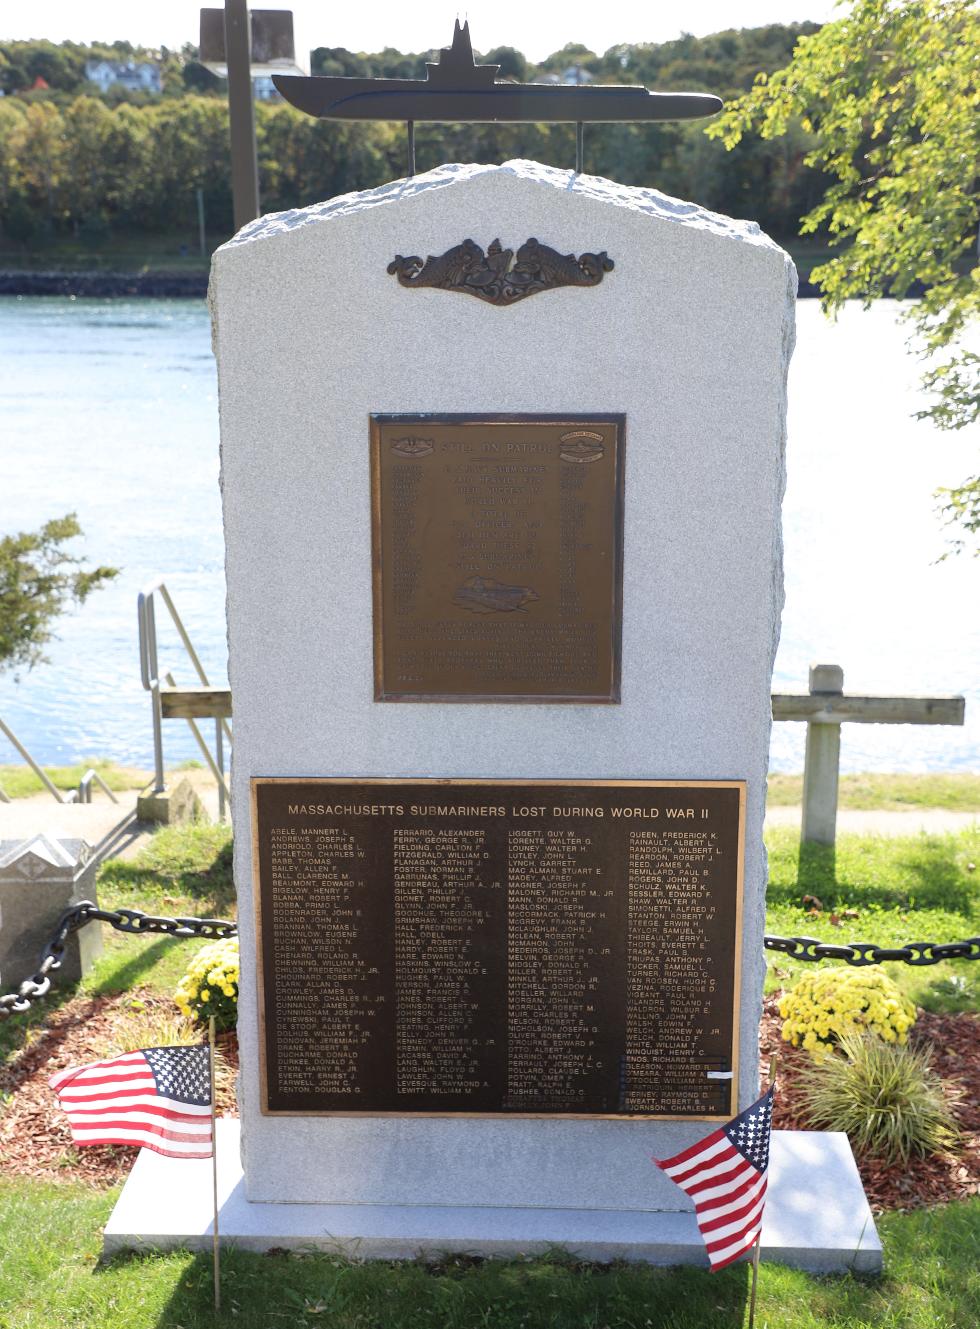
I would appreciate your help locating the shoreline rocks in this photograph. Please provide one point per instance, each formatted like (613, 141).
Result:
(185, 285)
(180, 285)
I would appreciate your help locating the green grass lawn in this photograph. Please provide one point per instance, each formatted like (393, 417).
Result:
(886, 793)
(19, 781)
(904, 888)
(50, 1267)
(868, 792)
(51, 1273)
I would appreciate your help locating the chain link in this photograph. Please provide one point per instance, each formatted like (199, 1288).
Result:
(123, 920)
(856, 953)
(861, 953)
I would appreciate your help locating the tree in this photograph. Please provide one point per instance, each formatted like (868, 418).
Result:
(38, 579)
(889, 95)
(38, 143)
(513, 63)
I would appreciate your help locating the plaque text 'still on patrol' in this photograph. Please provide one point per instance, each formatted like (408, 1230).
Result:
(497, 557)
(499, 947)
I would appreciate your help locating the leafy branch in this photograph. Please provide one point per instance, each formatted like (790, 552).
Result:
(38, 580)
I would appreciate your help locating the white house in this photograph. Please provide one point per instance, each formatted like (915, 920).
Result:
(134, 77)
(264, 89)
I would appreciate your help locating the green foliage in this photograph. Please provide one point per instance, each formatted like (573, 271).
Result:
(829, 1005)
(884, 1096)
(136, 161)
(889, 96)
(960, 507)
(38, 578)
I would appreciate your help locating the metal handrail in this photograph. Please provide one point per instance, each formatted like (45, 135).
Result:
(48, 784)
(153, 676)
(84, 794)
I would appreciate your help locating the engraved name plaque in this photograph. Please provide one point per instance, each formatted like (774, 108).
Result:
(497, 557)
(515, 948)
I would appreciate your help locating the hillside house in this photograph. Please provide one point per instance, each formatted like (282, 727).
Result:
(143, 77)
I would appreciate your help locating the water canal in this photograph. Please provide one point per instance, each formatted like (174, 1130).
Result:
(109, 409)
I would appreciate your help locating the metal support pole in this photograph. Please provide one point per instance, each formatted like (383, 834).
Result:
(205, 750)
(150, 670)
(201, 232)
(241, 112)
(821, 769)
(410, 126)
(579, 147)
(219, 756)
(49, 786)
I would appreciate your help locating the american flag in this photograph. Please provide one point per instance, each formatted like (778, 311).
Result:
(159, 1098)
(725, 1175)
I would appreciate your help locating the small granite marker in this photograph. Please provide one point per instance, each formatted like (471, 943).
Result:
(39, 879)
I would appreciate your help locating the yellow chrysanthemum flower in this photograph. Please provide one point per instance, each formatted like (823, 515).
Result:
(826, 1004)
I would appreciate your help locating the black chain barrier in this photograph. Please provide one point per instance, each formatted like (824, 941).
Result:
(860, 953)
(123, 920)
(856, 953)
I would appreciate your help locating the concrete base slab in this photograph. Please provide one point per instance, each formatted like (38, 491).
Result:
(171, 807)
(817, 1217)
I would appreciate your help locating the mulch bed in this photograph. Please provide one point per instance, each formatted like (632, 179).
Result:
(954, 1044)
(35, 1140)
(34, 1137)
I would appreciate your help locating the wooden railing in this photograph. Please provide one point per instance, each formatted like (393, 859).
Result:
(823, 709)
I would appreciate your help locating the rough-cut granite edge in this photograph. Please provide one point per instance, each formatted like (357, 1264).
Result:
(649, 201)
(778, 591)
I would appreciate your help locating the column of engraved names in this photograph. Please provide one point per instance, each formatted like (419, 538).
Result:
(558, 942)
(444, 904)
(670, 1006)
(406, 486)
(576, 635)
(326, 991)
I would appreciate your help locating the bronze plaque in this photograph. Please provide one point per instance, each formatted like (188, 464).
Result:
(499, 947)
(497, 557)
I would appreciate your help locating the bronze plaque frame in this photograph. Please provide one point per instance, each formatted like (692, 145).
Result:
(384, 788)
(595, 579)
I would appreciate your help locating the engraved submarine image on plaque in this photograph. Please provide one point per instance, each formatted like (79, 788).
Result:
(497, 546)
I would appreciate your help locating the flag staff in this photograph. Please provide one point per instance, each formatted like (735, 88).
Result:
(758, 1235)
(755, 1278)
(214, 1171)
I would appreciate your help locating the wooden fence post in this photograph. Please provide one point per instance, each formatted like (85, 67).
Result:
(821, 769)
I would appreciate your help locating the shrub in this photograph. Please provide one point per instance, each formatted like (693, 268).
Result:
(826, 1005)
(210, 985)
(146, 1021)
(884, 1096)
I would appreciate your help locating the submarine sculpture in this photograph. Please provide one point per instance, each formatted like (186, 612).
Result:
(456, 88)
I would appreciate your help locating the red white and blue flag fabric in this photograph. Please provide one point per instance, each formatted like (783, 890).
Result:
(725, 1176)
(159, 1098)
